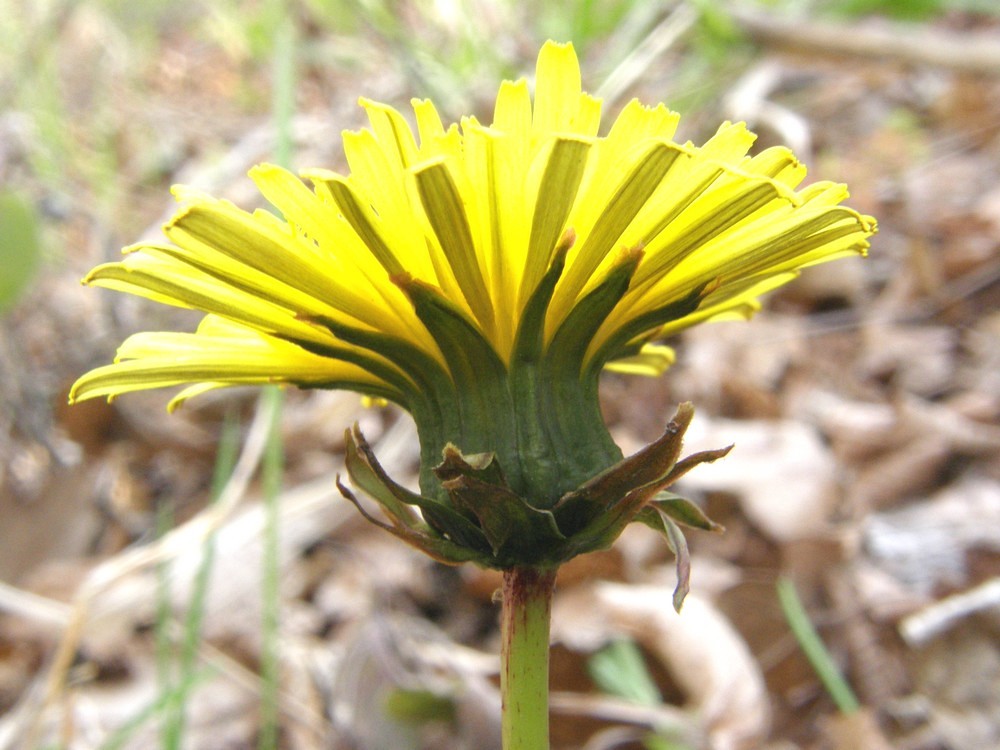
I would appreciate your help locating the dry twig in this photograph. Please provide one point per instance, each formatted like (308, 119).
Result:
(911, 45)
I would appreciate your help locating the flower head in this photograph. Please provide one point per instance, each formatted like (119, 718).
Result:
(481, 277)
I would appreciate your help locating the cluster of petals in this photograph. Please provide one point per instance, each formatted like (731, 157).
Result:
(325, 294)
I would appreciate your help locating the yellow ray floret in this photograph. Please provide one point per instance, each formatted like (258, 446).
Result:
(222, 353)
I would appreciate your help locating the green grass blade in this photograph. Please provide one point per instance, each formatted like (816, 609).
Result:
(164, 645)
(225, 460)
(126, 731)
(814, 648)
(283, 105)
(619, 669)
(273, 467)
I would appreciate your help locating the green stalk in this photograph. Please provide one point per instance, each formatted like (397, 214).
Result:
(524, 657)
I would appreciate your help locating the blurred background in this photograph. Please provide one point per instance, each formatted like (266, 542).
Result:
(183, 581)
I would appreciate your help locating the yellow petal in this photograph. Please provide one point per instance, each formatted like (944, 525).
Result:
(601, 216)
(238, 357)
(556, 195)
(393, 134)
(557, 89)
(512, 112)
(445, 211)
(652, 361)
(175, 284)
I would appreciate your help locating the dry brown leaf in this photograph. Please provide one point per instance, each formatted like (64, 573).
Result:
(854, 731)
(883, 596)
(781, 472)
(909, 471)
(856, 429)
(389, 652)
(960, 675)
(988, 210)
(926, 545)
(699, 647)
(919, 359)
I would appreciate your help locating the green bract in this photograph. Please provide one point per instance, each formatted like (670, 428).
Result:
(470, 511)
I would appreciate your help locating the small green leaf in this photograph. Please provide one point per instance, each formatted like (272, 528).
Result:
(20, 246)
(684, 511)
(618, 669)
(570, 342)
(419, 707)
(657, 521)
(418, 365)
(629, 340)
(528, 342)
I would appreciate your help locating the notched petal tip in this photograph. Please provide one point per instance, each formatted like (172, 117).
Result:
(553, 48)
(263, 169)
(189, 194)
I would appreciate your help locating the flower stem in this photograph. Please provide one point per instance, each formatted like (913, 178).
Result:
(524, 654)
